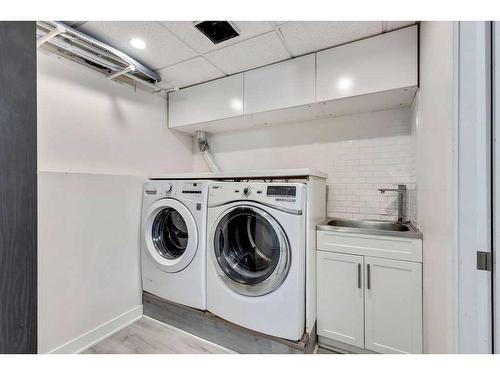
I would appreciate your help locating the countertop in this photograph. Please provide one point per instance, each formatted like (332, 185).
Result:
(273, 173)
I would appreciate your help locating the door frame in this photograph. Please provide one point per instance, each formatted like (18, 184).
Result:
(496, 182)
(473, 222)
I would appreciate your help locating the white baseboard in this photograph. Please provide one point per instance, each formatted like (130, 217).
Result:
(92, 337)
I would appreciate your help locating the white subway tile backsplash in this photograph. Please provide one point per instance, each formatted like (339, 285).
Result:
(357, 164)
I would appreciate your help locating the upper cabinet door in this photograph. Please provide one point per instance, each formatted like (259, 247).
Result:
(283, 85)
(385, 62)
(215, 100)
(393, 306)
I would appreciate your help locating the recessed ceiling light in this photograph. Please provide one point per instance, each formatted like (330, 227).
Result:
(137, 43)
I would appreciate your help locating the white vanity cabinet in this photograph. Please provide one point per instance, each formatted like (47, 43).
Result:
(214, 100)
(365, 301)
(381, 63)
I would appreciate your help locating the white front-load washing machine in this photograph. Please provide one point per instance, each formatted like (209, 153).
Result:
(173, 251)
(256, 256)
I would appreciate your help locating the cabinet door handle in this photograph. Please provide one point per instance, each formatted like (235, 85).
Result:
(368, 278)
(359, 275)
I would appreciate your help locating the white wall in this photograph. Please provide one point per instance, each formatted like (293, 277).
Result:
(360, 153)
(433, 128)
(97, 141)
(89, 124)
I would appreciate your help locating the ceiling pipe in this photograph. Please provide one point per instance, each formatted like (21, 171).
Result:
(77, 51)
(51, 34)
(129, 68)
(201, 139)
(67, 42)
(103, 46)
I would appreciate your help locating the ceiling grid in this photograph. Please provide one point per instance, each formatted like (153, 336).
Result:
(183, 56)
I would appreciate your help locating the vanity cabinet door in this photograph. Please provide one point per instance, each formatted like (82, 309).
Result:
(393, 306)
(340, 297)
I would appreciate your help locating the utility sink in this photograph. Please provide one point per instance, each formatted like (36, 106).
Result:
(380, 227)
(368, 224)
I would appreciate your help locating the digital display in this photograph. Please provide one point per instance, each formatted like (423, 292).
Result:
(281, 191)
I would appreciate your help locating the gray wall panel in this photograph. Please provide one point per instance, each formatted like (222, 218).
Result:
(18, 188)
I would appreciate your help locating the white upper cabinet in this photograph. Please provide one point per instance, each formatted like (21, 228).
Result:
(381, 63)
(373, 74)
(283, 85)
(214, 100)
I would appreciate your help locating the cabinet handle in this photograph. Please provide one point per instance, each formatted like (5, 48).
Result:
(359, 275)
(368, 279)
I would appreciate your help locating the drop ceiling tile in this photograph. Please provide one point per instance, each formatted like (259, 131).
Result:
(188, 73)
(162, 48)
(74, 24)
(310, 36)
(249, 54)
(189, 34)
(393, 25)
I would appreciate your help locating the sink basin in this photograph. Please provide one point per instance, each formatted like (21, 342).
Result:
(368, 224)
(372, 227)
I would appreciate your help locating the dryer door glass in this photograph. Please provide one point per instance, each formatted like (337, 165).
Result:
(169, 233)
(252, 250)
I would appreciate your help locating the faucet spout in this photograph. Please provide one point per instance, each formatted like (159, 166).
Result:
(401, 190)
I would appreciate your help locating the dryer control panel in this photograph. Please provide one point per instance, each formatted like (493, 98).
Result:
(285, 195)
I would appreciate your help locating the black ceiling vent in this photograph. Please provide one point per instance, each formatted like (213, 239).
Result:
(217, 31)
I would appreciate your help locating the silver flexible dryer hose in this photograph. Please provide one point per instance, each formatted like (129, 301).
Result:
(201, 138)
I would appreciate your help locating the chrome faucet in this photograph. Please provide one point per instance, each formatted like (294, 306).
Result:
(401, 190)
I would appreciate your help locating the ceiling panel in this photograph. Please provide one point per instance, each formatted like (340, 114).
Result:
(249, 54)
(189, 73)
(162, 47)
(305, 37)
(74, 24)
(185, 56)
(393, 25)
(186, 31)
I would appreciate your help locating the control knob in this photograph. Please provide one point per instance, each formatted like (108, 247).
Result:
(246, 191)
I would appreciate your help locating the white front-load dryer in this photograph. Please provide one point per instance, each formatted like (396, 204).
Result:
(173, 250)
(256, 256)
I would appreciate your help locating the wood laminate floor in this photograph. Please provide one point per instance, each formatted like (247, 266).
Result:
(149, 336)
(325, 351)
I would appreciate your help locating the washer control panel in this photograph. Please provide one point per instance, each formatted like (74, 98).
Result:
(191, 190)
(156, 189)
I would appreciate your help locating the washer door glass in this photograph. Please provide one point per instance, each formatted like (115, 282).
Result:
(169, 233)
(251, 250)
